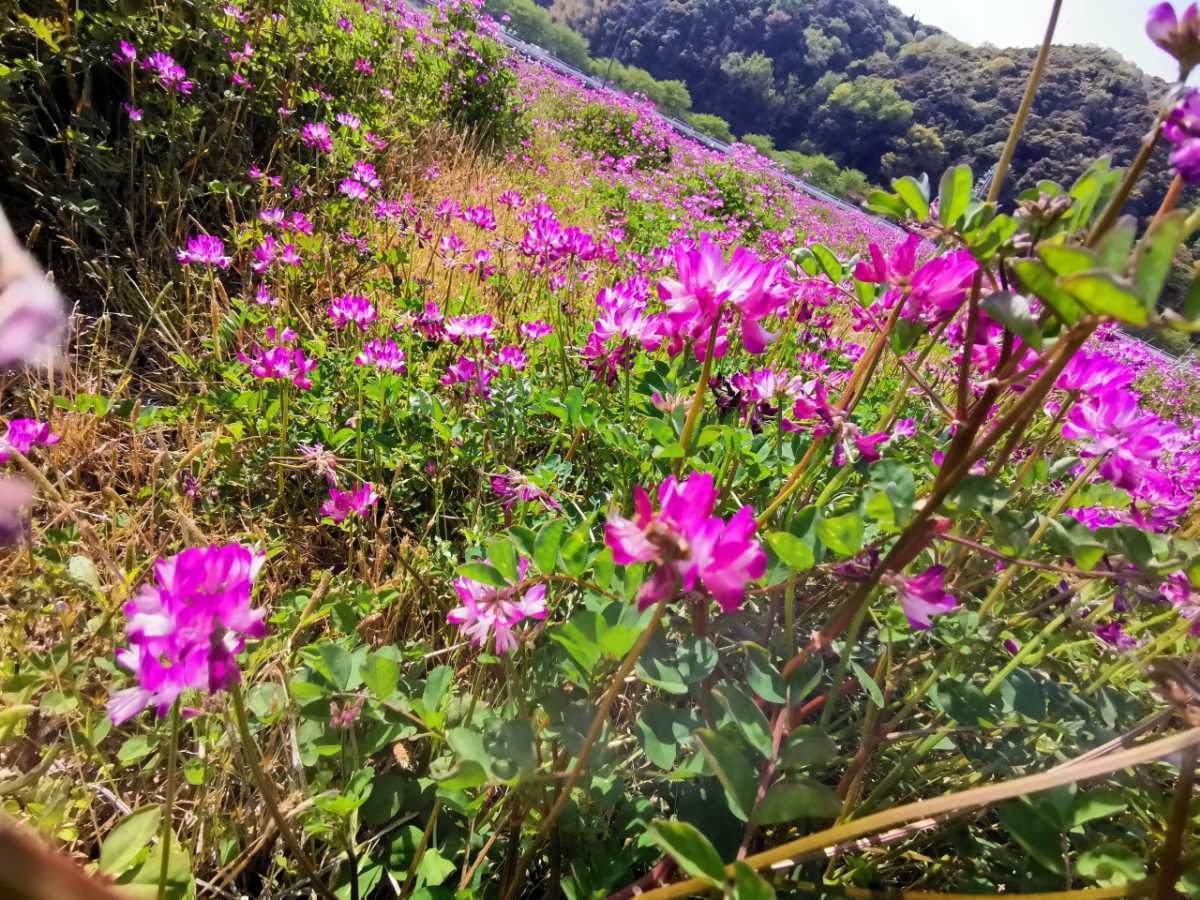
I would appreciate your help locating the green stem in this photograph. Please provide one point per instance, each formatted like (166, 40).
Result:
(168, 802)
(1031, 86)
(839, 674)
(1011, 572)
(593, 734)
(693, 416)
(253, 761)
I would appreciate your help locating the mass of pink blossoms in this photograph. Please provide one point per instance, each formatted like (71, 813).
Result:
(186, 628)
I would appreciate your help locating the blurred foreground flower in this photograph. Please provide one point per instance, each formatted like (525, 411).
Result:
(32, 322)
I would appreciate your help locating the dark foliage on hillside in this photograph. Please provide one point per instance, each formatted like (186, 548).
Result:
(859, 81)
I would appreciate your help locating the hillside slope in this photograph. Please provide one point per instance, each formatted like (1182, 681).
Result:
(872, 88)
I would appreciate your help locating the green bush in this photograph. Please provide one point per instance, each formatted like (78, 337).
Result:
(534, 24)
(115, 190)
(713, 126)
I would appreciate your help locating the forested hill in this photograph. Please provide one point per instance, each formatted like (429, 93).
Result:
(872, 88)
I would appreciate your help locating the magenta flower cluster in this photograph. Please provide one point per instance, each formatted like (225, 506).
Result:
(186, 628)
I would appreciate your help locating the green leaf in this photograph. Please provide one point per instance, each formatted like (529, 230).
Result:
(830, 264)
(954, 194)
(792, 550)
(733, 769)
(887, 204)
(1034, 833)
(433, 869)
(749, 885)
(575, 551)
(688, 847)
(800, 798)
(662, 728)
(1104, 294)
(137, 747)
(504, 557)
(842, 534)
(1116, 245)
(1041, 282)
(1156, 255)
(436, 684)
(483, 573)
(762, 676)
(748, 718)
(1111, 863)
(1013, 312)
(381, 675)
(914, 194)
(868, 683)
(805, 746)
(673, 665)
(340, 663)
(1097, 804)
(132, 835)
(1064, 260)
(893, 481)
(545, 548)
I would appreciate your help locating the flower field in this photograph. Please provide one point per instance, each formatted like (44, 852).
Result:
(426, 476)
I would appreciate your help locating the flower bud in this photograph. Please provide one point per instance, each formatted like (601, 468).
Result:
(1178, 36)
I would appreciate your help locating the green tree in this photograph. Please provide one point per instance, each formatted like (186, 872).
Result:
(713, 126)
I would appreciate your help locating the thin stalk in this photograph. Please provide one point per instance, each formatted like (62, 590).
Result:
(955, 803)
(1011, 572)
(1031, 86)
(254, 763)
(693, 415)
(593, 734)
(839, 674)
(168, 802)
(420, 851)
(1115, 205)
(1171, 865)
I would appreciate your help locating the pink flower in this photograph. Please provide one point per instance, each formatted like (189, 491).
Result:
(203, 250)
(1094, 373)
(355, 190)
(1182, 129)
(125, 53)
(706, 283)
(134, 113)
(488, 610)
(316, 135)
(460, 328)
(1114, 422)
(687, 543)
(348, 120)
(922, 596)
(342, 503)
(351, 308)
(31, 310)
(474, 375)
(280, 361)
(167, 73)
(934, 291)
(382, 355)
(365, 172)
(24, 434)
(535, 330)
(1179, 37)
(15, 496)
(517, 487)
(513, 357)
(185, 630)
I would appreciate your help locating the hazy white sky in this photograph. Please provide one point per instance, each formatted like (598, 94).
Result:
(1119, 24)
